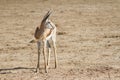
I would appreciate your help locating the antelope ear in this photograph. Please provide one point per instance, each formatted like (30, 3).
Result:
(37, 32)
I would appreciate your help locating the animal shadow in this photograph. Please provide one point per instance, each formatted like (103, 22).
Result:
(10, 70)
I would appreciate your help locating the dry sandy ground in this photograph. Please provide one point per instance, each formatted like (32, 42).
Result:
(88, 39)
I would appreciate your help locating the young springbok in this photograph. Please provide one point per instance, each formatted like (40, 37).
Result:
(43, 33)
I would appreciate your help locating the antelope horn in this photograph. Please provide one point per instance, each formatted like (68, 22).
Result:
(46, 16)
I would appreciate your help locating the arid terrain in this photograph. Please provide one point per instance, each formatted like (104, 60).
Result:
(88, 39)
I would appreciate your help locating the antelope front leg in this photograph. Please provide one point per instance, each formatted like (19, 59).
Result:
(39, 52)
(44, 54)
(49, 52)
(48, 57)
(55, 54)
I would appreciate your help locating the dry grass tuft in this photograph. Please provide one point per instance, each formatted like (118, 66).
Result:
(61, 33)
(32, 41)
(111, 36)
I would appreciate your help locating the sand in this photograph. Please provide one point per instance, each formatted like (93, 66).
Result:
(88, 39)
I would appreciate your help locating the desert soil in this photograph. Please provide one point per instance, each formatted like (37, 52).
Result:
(88, 39)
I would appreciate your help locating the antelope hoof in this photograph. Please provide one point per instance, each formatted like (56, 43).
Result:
(55, 66)
(37, 70)
(46, 70)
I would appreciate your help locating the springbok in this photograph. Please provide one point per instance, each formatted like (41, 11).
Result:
(43, 33)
